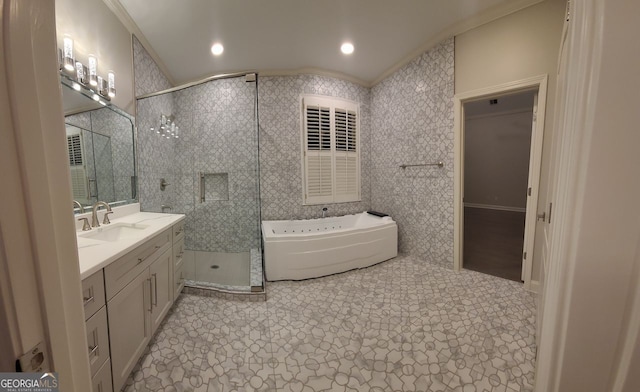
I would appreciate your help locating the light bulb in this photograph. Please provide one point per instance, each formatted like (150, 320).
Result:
(93, 70)
(217, 49)
(76, 86)
(68, 54)
(347, 48)
(80, 73)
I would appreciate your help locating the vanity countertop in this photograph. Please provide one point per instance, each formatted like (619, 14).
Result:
(95, 255)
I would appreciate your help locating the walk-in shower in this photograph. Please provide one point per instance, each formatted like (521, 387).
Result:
(209, 171)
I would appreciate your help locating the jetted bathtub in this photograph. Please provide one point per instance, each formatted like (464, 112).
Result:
(303, 249)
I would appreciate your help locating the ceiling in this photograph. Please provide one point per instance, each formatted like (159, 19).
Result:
(286, 35)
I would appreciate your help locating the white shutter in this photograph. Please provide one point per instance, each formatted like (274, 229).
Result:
(330, 148)
(79, 183)
(318, 168)
(346, 156)
(74, 146)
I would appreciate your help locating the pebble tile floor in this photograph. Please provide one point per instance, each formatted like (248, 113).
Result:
(402, 325)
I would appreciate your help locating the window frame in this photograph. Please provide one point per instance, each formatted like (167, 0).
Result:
(333, 103)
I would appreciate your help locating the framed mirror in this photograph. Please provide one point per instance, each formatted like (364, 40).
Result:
(101, 146)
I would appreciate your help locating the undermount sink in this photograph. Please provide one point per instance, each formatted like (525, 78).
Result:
(115, 232)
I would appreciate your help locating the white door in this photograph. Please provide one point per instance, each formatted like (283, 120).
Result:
(161, 288)
(546, 209)
(129, 326)
(532, 182)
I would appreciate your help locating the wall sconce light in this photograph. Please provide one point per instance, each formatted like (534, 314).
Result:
(112, 84)
(93, 70)
(85, 78)
(67, 54)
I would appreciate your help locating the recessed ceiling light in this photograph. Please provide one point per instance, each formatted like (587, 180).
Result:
(347, 48)
(217, 49)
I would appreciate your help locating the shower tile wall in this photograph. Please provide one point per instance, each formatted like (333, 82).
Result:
(155, 154)
(412, 122)
(280, 144)
(218, 138)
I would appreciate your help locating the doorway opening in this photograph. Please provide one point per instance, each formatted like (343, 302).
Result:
(497, 148)
(498, 155)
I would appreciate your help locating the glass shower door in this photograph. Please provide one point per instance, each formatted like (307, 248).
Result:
(217, 160)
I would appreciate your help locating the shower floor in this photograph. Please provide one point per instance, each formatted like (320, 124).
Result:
(224, 269)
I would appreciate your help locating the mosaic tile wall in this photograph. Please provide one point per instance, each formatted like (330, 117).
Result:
(280, 149)
(155, 154)
(407, 118)
(412, 122)
(148, 76)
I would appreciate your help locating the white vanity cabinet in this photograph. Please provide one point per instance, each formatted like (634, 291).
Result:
(96, 327)
(129, 326)
(138, 290)
(178, 259)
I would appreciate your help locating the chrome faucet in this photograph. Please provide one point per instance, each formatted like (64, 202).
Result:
(324, 211)
(80, 207)
(94, 216)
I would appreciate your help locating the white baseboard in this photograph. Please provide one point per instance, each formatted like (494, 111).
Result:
(492, 207)
(534, 286)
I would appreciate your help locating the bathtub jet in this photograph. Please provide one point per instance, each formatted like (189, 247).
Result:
(303, 249)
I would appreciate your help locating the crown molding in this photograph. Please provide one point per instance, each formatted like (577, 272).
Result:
(470, 23)
(315, 71)
(121, 13)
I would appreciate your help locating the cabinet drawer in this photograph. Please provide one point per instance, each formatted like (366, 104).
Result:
(98, 340)
(178, 253)
(101, 381)
(178, 231)
(93, 294)
(122, 271)
(178, 281)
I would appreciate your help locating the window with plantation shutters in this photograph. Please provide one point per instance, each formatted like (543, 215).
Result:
(331, 156)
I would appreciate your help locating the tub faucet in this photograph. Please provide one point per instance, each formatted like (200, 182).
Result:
(80, 207)
(94, 216)
(324, 211)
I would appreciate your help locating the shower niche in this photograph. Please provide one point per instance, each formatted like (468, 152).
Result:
(214, 168)
(214, 187)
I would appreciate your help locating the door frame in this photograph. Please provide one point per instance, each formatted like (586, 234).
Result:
(535, 161)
